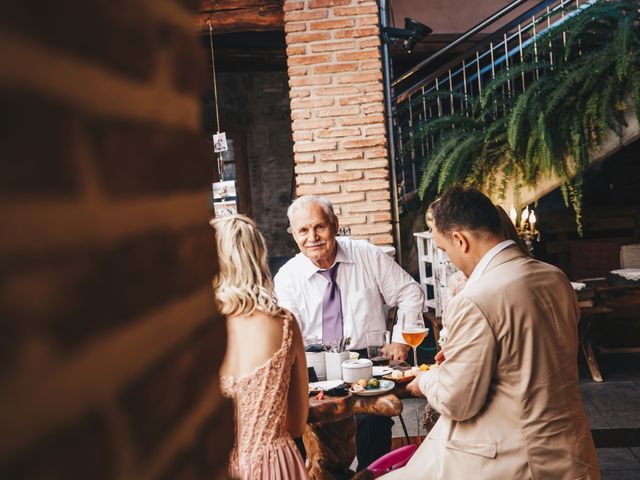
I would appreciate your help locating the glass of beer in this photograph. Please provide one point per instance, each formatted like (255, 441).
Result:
(376, 341)
(413, 331)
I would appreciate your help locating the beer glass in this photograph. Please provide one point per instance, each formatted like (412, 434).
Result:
(413, 331)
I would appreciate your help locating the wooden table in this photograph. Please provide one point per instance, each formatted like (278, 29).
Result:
(614, 299)
(587, 316)
(330, 435)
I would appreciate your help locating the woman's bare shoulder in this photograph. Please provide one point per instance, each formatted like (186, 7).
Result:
(259, 321)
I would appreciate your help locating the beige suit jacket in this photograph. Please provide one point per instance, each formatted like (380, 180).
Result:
(508, 389)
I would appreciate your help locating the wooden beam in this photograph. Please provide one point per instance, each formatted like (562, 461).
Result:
(220, 5)
(241, 15)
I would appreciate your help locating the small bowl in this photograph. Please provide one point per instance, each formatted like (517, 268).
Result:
(354, 370)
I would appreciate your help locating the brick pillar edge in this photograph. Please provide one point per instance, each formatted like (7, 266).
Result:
(109, 340)
(337, 110)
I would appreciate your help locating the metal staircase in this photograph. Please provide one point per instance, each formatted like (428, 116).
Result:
(464, 77)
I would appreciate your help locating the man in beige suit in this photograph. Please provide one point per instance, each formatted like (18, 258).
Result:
(507, 389)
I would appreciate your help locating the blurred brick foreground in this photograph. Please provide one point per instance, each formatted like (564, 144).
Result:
(109, 341)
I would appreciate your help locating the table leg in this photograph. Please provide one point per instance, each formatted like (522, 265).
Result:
(404, 428)
(331, 448)
(587, 350)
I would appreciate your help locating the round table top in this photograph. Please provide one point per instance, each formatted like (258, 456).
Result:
(330, 409)
(333, 409)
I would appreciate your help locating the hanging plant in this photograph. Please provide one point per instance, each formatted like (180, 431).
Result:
(550, 128)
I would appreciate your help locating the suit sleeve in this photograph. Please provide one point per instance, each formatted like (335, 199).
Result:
(458, 388)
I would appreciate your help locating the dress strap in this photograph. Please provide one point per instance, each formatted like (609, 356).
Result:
(287, 330)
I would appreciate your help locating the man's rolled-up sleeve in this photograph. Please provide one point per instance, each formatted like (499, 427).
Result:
(399, 289)
(458, 388)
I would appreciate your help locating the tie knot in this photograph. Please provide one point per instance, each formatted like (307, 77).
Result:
(330, 274)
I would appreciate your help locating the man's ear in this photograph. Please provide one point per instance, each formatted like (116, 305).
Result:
(460, 240)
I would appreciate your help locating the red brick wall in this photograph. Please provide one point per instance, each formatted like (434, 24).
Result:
(109, 341)
(337, 110)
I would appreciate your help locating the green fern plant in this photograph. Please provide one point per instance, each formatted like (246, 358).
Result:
(551, 126)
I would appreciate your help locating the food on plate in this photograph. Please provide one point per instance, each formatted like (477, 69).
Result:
(400, 374)
(373, 383)
(363, 384)
(405, 376)
(320, 395)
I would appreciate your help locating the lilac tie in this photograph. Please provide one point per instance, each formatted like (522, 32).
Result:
(331, 307)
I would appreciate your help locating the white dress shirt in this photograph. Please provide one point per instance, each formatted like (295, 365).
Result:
(367, 279)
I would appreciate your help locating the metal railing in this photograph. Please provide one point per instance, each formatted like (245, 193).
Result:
(465, 77)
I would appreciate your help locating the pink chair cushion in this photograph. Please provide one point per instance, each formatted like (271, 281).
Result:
(392, 460)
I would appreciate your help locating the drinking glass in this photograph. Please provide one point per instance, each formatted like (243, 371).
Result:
(413, 331)
(312, 344)
(376, 341)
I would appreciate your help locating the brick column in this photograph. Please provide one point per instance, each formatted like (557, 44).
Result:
(337, 110)
(109, 341)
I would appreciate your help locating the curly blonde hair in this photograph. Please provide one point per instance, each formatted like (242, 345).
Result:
(243, 283)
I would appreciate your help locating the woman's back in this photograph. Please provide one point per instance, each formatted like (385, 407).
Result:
(257, 374)
(251, 341)
(264, 369)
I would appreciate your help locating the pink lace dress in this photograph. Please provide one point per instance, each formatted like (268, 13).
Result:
(263, 448)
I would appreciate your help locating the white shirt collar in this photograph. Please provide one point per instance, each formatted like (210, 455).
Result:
(486, 259)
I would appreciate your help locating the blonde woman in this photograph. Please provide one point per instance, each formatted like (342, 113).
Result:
(264, 369)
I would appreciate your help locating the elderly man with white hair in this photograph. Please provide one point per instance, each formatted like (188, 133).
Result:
(337, 287)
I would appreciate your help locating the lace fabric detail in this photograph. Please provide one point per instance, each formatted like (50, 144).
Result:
(261, 409)
(455, 284)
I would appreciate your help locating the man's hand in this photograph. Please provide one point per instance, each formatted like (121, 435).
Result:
(439, 358)
(396, 351)
(413, 388)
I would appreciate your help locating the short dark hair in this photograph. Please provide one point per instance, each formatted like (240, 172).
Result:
(466, 208)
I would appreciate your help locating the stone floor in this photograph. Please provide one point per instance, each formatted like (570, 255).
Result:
(613, 408)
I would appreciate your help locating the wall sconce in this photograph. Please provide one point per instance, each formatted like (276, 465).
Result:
(527, 227)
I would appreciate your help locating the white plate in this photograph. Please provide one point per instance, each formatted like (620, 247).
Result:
(325, 385)
(381, 371)
(578, 285)
(385, 386)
